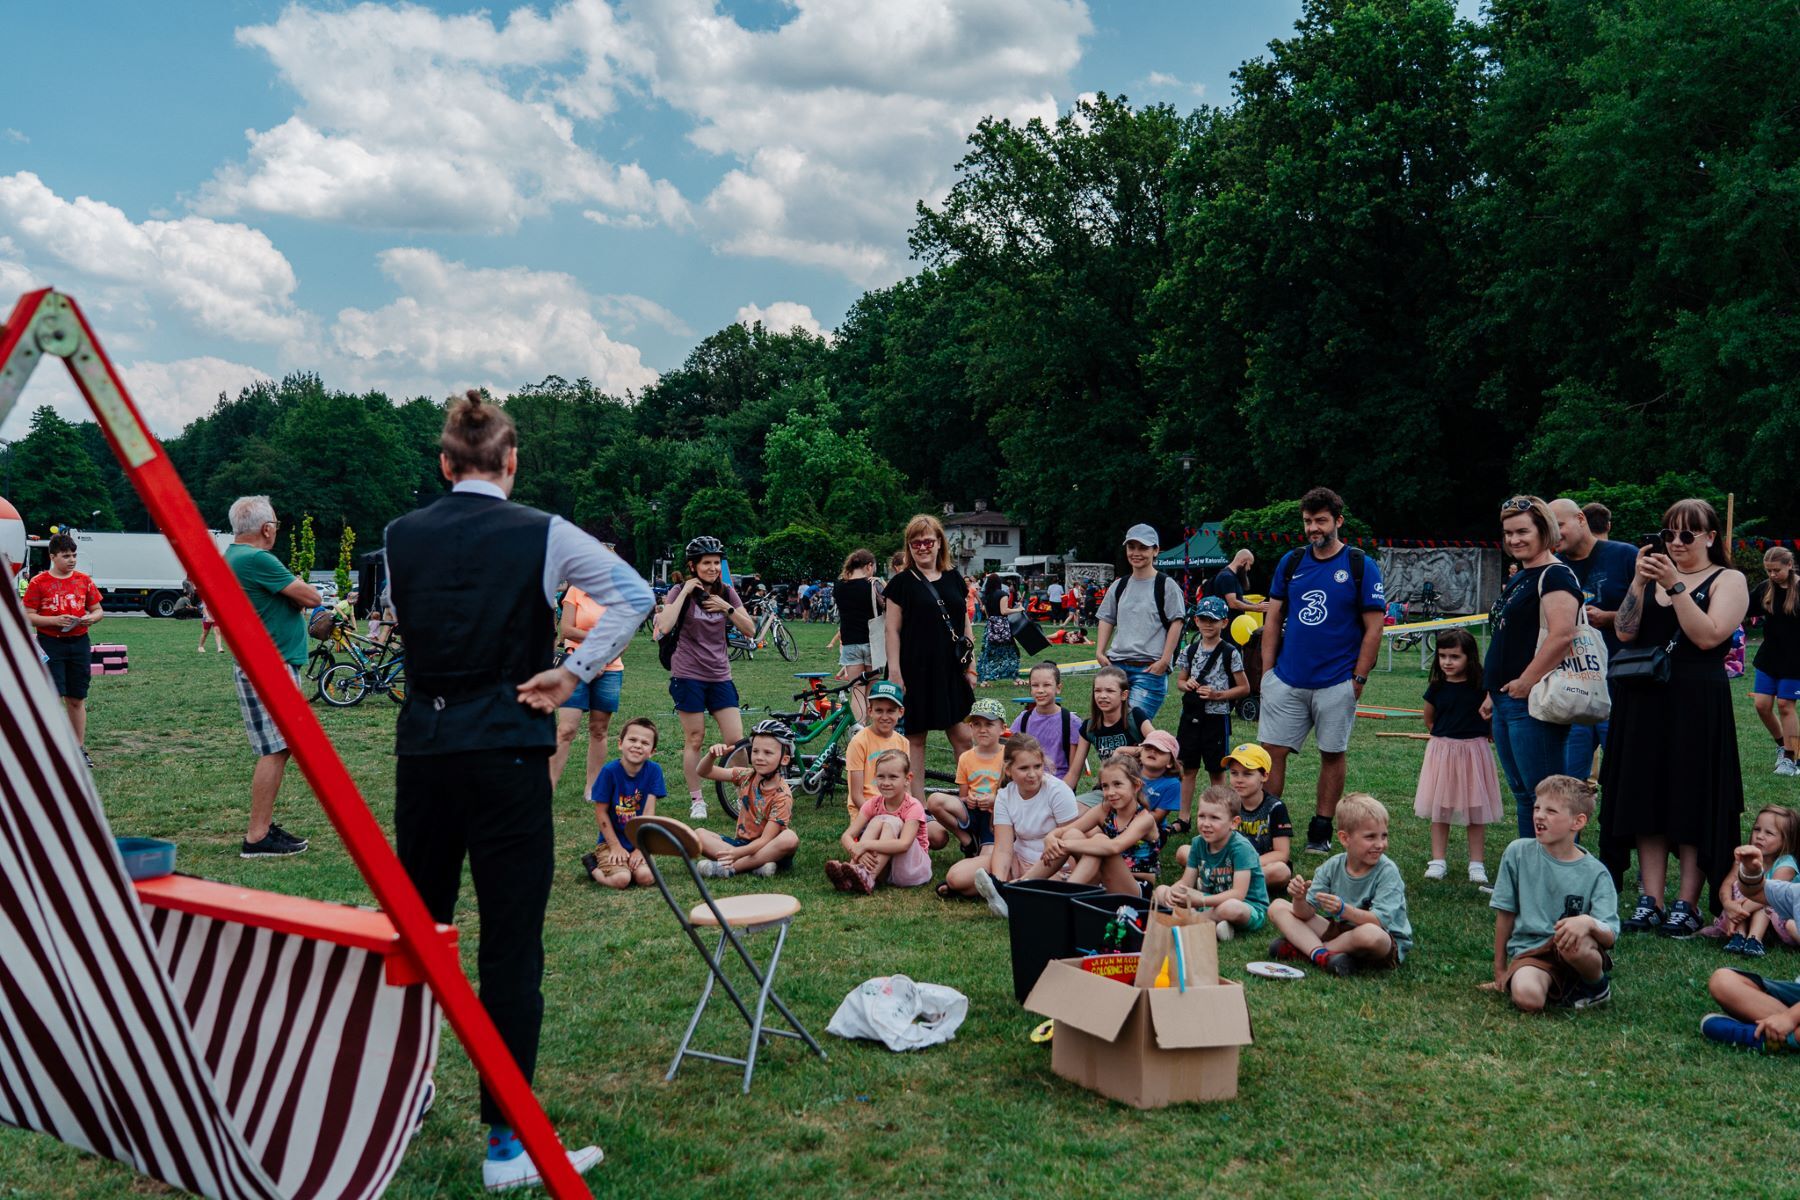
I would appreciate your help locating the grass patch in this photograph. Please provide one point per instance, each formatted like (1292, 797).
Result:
(1375, 1086)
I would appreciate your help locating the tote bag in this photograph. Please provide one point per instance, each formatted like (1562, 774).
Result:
(877, 630)
(1574, 691)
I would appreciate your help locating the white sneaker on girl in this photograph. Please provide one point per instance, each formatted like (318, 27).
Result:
(1435, 868)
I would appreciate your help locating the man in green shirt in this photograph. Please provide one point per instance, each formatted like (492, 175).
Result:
(280, 600)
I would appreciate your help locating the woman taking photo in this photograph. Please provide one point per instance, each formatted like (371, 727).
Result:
(858, 600)
(1543, 593)
(700, 668)
(928, 641)
(1669, 780)
(999, 653)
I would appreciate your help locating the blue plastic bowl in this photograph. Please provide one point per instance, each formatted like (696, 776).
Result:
(146, 858)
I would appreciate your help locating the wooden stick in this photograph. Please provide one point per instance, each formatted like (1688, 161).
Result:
(1730, 519)
(1417, 737)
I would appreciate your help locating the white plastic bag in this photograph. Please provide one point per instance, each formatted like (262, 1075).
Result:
(900, 1014)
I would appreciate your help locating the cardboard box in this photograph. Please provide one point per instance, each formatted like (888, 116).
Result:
(1143, 1045)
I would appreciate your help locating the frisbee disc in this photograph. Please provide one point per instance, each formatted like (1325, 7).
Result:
(1044, 1032)
(1275, 970)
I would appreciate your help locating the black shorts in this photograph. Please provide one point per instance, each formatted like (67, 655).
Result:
(69, 665)
(1205, 739)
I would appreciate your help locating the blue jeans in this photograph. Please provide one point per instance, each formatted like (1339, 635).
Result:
(1530, 752)
(1147, 691)
(1578, 759)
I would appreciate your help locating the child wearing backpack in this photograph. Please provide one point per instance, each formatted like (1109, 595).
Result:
(1048, 721)
(1210, 675)
(1109, 728)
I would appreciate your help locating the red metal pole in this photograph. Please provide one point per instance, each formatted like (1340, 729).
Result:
(66, 333)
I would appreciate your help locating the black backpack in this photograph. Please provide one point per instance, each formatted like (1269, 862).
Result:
(665, 645)
(1290, 566)
(1163, 584)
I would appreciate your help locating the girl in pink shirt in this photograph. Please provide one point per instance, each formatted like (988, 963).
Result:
(886, 841)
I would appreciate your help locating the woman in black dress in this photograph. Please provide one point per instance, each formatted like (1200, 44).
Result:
(929, 643)
(1670, 779)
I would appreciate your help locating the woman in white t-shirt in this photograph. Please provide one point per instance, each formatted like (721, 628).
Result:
(1032, 804)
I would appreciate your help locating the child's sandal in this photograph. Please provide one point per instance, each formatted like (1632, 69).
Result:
(1179, 826)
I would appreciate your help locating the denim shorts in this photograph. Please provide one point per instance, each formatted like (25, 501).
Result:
(854, 654)
(1781, 689)
(703, 695)
(599, 695)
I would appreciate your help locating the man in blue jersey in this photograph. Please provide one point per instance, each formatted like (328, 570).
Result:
(1323, 632)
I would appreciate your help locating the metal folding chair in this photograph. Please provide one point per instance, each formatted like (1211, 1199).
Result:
(662, 837)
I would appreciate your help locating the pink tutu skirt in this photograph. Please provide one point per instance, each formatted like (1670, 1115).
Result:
(1459, 783)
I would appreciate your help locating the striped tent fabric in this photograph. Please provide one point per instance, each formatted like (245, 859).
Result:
(235, 1062)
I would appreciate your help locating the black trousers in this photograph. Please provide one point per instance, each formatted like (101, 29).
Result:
(492, 806)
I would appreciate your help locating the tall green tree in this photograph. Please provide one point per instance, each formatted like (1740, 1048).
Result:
(54, 479)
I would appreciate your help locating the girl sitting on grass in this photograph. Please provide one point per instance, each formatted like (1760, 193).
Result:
(1110, 726)
(886, 839)
(1110, 840)
(1746, 925)
(1028, 808)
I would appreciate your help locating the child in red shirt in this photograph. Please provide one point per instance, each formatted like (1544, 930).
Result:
(62, 604)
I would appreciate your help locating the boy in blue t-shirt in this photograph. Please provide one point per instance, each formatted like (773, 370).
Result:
(628, 786)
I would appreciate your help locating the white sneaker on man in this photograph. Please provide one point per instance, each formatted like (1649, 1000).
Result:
(697, 810)
(522, 1172)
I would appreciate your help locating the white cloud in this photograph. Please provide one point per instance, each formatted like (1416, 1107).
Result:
(847, 114)
(1162, 81)
(168, 394)
(781, 317)
(226, 279)
(456, 326)
(13, 135)
(413, 120)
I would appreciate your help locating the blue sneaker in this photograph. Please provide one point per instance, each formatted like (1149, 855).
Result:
(1735, 944)
(1720, 1028)
(1753, 948)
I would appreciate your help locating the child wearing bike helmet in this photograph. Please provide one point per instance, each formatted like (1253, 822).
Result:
(764, 843)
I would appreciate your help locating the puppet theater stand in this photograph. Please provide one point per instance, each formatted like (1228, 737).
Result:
(235, 1043)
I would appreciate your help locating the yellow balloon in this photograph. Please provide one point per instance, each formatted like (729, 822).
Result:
(1242, 626)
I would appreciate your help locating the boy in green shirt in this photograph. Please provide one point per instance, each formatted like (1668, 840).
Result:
(1557, 910)
(1353, 913)
(1224, 876)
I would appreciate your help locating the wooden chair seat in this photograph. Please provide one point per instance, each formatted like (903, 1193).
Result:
(744, 911)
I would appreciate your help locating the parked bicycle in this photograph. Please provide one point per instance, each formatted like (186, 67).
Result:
(824, 720)
(372, 667)
(350, 683)
(770, 631)
(1422, 605)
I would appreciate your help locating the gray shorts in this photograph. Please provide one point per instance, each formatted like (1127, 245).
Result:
(854, 655)
(265, 738)
(1288, 714)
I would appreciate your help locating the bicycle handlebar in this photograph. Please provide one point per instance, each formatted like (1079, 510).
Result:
(811, 694)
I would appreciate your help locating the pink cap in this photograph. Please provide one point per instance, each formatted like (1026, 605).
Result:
(1163, 740)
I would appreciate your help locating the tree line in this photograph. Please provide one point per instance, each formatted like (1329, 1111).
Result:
(1428, 261)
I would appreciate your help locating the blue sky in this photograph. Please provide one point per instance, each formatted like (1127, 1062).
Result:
(421, 197)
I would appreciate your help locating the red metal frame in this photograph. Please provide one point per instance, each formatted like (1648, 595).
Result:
(47, 322)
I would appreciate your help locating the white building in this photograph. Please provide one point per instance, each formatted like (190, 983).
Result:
(983, 540)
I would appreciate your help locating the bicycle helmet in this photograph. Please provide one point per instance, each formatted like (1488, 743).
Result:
(700, 547)
(777, 729)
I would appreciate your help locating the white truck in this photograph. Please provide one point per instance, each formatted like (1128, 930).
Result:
(132, 570)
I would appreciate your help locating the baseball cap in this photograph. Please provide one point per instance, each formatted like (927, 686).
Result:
(1212, 608)
(884, 689)
(1143, 533)
(1163, 740)
(988, 710)
(1251, 757)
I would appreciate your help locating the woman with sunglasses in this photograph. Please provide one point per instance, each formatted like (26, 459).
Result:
(1670, 781)
(1544, 594)
(929, 641)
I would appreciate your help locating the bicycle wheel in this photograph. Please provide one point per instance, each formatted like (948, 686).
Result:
(724, 792)
(320, 661)
(784, 642)
(344, 685)
(395, 684)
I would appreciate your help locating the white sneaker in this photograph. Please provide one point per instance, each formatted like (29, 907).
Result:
(1226, 930)
(712, 869)
(1435, 868)
(766, 870)
(1780, 757)
(1786, 766)
(697, 810)
(522, 1172)
(988, 890)
(1478, 872)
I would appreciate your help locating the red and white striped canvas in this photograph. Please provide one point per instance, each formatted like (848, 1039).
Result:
(231, 1061)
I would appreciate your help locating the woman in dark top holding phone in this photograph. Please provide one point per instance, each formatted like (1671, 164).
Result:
(930, 651)
(858, 600)
(1670, 780)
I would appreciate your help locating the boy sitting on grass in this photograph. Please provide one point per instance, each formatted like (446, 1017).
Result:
(1262, 818)
(1224, 864)
(1558, 912)
(968, 813)
(628, 786)
(764, 843)
(1353, 913)
(1760, 1013)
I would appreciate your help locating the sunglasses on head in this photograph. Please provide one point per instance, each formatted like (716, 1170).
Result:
(1517, 504)
(1685, 536)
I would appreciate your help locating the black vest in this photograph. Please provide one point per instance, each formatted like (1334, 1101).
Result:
(467, 579)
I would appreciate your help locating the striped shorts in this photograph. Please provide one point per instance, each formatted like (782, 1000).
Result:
(265, 739)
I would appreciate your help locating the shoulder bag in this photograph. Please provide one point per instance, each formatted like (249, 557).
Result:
(877, 629)
(964, 648)
(1574, 691)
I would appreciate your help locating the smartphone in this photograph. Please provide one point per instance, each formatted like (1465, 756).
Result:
(1654, 545)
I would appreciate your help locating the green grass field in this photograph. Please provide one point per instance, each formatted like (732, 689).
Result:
(1406, 1083)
